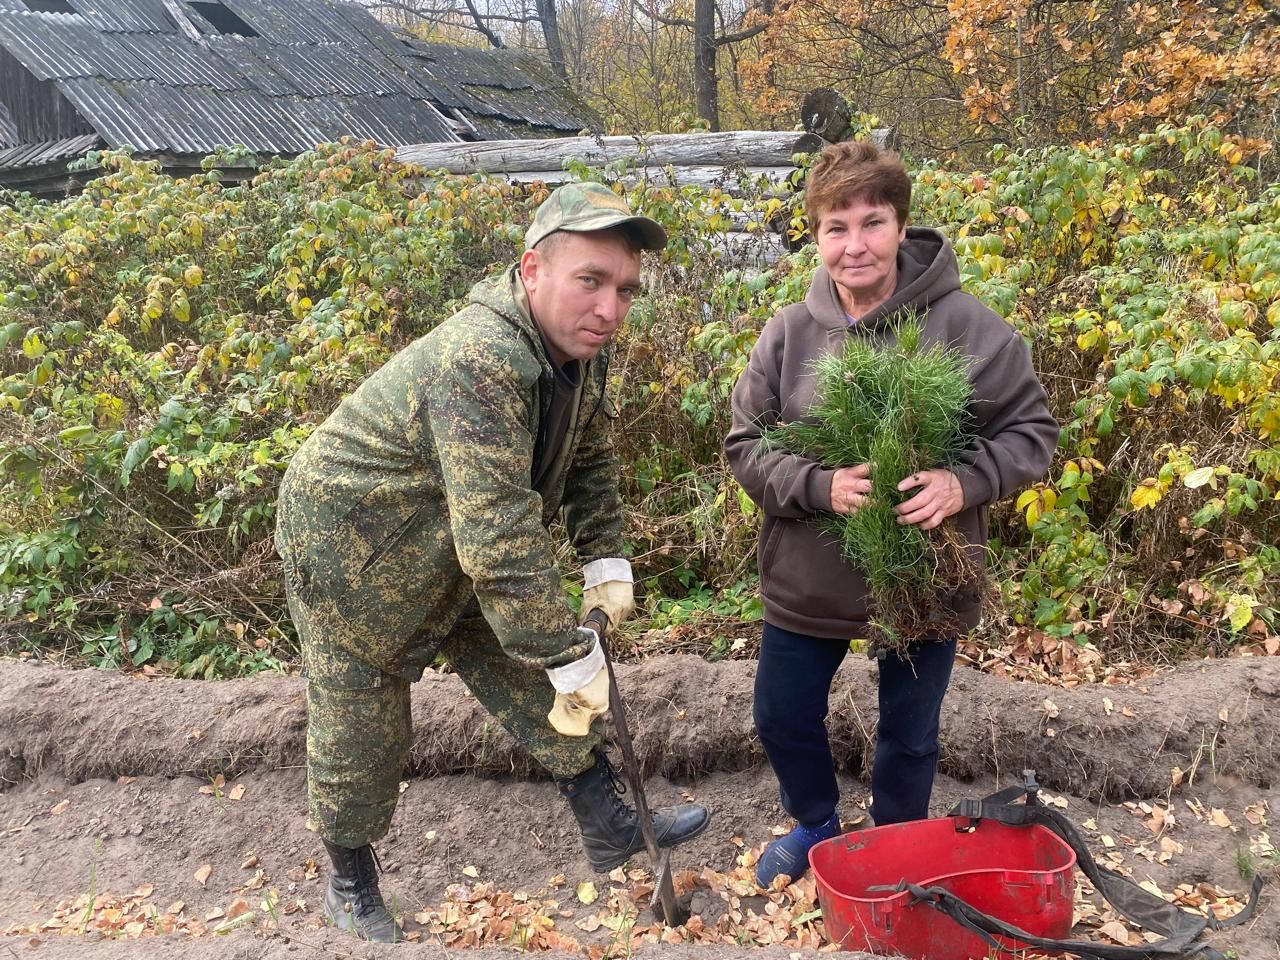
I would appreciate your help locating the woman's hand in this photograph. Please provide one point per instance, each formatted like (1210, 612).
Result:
(938, 496)
(850, 487)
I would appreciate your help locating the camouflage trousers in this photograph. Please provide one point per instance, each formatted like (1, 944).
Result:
(360, 728)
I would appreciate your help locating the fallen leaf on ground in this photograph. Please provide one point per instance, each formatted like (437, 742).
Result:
(1115, 930)
(215, 787)
(203, 874)
(586, 892)
(60, 808)
(239, 906)
(1218, 817)
(250, 862)
(236, 792)
(470, 871)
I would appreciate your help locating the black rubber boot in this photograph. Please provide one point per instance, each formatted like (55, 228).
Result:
(610, 829)
(352, 901)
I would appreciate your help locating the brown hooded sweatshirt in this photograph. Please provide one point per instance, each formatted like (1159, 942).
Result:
(806, 585)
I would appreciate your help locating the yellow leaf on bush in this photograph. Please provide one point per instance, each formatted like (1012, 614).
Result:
(1148, 494)
(1240, 610)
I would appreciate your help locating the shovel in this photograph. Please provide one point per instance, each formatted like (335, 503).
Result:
(663, 901)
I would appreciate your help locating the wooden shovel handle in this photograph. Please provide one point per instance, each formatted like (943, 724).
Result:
(598, 621)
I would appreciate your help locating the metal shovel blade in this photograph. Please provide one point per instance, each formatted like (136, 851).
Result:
(663, 902)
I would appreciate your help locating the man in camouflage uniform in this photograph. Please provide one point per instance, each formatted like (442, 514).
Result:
(413, 523)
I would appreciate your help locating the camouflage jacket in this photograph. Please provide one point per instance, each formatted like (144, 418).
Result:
(417, 494)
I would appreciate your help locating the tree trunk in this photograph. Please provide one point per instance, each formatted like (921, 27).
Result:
(551, 32)
(826, 113)
(704, 61)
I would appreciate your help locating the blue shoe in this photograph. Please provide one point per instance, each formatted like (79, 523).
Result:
(790, 854)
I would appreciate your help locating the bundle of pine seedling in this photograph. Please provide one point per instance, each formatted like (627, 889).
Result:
(901, 407)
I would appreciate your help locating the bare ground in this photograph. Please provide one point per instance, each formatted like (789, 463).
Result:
(102, 778)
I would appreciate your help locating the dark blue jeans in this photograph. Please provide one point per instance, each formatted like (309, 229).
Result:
(793, 684)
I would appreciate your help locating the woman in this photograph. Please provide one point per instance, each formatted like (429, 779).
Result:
(873, 268)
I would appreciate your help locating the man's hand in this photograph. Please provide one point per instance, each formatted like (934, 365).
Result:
(572, 713)
(582, 690)
(938, 496)
(850, 487)
(607, 584)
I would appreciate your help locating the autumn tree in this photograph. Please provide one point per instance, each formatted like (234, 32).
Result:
(885, 57)
(634, 61)
(635, 71)
(1049, 70)
(712, 27)
(961, 73)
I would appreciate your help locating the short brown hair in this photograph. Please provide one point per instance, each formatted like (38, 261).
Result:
(852, 171)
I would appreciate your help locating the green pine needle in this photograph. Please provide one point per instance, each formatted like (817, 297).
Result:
(900, 406)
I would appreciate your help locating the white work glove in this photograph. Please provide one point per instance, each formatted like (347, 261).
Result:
(582, 691)
(607, 584)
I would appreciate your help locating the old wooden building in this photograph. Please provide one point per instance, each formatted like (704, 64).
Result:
(175, 79)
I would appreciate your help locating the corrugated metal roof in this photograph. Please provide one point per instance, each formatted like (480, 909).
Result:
(34, 154)
(317, 71)
(501, 84)
(324, 69)
(283, 22)
(466, 64)
(112, 116)
(47, 48)
(176, 61)
(136, 16)
(529, 106)
(249, 58)
(196, 119)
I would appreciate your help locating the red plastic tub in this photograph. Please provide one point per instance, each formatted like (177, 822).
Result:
(1022, 875)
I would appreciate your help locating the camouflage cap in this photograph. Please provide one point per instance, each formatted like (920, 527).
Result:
(582, 207)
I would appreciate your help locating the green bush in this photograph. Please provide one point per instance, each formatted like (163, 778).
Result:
(165, 345)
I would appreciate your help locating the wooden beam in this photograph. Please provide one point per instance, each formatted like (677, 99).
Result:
(751, 148)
